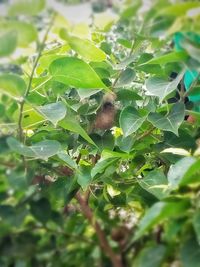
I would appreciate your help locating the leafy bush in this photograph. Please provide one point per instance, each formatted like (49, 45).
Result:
(99, 136)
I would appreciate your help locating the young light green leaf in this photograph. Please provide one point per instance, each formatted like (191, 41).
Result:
(172, 121)
(26, 7)
(75, 72)
(161, 88)
(168, 58)
(112, 191)
(8, 43)
(26, 32)
(130, 120)
(53, 112)
(12, 85)
(179, 9)
(176, 151)
(85, 48)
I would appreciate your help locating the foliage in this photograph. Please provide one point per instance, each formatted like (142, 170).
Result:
(76, 193)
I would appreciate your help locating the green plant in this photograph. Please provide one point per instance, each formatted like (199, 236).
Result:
(74, 193)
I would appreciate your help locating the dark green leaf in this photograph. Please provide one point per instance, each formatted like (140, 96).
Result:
(130, 120)
(172, 121)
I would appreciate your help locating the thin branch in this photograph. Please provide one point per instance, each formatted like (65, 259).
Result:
(40, 49)
(87, 212)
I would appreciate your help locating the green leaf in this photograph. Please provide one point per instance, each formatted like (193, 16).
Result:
(31, 118)
(192, 174)
(158, 212)
(150, 256)
(196, 224)
(172, 121)
(72, 125)
(26, 7)
(101, 165)
(19, 148)
(53, 112)
(106, 153)
(155, 182)
(180, 171)
(75, 72)
(130, 11)
(179, 9)
(12, 85)
(161, 88)
(41, 209)
(26, 32)
(130, 120)
(8, 43)
(104, 141)
(126, 77)
(190, 253)
(67, 159)
(85, 48)
(126, 94)
(46, 149)
(168, 58)
(42, 150)
(84, 177)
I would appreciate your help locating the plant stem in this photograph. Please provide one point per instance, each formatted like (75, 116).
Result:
(87, 212)
(40, 49)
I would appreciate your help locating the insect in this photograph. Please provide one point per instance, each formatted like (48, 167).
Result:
(106, 115)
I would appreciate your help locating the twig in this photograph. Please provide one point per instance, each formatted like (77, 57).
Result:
(87, 212)
(40, 49)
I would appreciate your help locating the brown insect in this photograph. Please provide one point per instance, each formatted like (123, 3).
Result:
(106, 115)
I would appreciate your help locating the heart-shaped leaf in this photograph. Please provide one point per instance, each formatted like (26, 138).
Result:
(75, 72)
(130, 120)
(160, 87)
(53, 112)
(172, 121)
(42, 150)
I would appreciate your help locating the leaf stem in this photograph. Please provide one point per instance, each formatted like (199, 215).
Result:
(87, 212)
